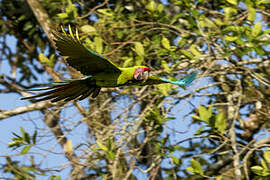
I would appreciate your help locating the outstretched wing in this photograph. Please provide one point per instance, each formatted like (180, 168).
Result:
(183, 82)
(81, 58)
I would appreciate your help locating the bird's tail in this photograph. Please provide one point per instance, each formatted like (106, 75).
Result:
(185, 81)
(67, 90)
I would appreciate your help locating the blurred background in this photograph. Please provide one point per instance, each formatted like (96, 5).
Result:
(217, 128)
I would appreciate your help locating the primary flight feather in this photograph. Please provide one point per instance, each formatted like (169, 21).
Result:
(99, 73)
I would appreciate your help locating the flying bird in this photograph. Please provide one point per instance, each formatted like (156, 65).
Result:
(99, 73)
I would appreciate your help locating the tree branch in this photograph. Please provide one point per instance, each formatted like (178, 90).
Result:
(24, 109)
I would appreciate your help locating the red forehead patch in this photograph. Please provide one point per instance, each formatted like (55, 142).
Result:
(146, 69)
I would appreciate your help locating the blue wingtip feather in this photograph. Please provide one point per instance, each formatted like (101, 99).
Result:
(185, 81)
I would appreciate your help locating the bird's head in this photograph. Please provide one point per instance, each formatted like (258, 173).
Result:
(141, 73)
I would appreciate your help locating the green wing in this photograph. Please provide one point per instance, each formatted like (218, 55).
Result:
(81, 58)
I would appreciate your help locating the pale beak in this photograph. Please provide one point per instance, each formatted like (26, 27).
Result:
(138, 76)
(145, 76)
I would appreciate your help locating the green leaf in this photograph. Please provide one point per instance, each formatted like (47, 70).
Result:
(260, 178)
(25, 149)
(160, 8)
(89, 44)
(181, 42)
(88, 29)
(55, 177)
(219, 22)
(99, 44)
(139, 48)
(196, 117)
(229, 11)
(128, 61)
(151, 6)
(257, 170)
(25, 135)
(195, 51)
(71, 9)
(221, 122)
(190, 169)
(251, 13)
(62, 15)
(198, 132)
(52, 58)
(265, 165)
(266, 155)
(27, 138)
(34, 137)
(219, 178)
(263, 2)
(102, 147)
(256, 29)
(165, 43)
(230, 38)
(139, 60)
(175, 159)
(44, 60)
(12, 144)
(259, 50)
(186, 53)
(165, 66)
(110, 144)
(196, 166)
(205, 114)
(16, 135)
(233, 2)
(106, 12)
(111, 155)
(164, 89)
(119, 33)
(29, 169)
(209, 23)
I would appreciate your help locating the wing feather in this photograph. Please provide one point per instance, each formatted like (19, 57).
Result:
(81, 58)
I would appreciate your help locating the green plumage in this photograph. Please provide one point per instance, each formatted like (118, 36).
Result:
(99, 72)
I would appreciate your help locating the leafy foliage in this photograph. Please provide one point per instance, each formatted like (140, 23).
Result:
(142, 131)
(24, 141)
(263, 171)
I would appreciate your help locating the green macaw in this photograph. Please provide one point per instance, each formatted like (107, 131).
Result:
(99, 73)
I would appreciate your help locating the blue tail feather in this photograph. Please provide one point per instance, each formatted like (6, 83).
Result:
(185, 81)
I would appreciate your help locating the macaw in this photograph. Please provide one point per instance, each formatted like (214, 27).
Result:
(99, 73)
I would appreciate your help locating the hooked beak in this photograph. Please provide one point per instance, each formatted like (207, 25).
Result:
(145, 76)
(141, 74)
